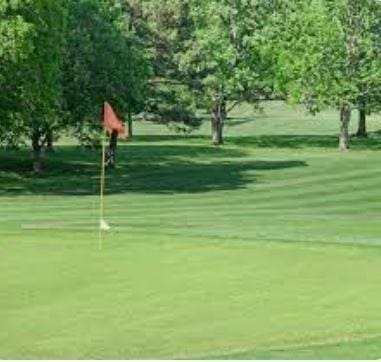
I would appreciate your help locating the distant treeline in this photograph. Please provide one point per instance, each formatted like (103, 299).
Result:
(164, 59)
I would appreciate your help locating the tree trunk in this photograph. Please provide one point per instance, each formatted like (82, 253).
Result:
(129, 126)
(111, 152)
(37, 152)
(218, 117)
(345, 117)
(217, 129)
(49, 141)
(361, 131)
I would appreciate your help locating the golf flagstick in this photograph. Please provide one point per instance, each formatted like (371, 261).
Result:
(103, 226)
(111, 123)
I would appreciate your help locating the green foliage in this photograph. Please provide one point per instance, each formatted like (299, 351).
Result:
(327, 53)
(102, 62)
(15, 48)
(223, 56)
(164, 59)
(162, 27)
(31, 61)
(224, 52)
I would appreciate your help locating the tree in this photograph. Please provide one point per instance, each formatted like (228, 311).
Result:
(223, 56)
(37, 28)
(15, 47)
(368, 28)
(103, 62)
(43, 72)
(162, 27)
(327, 56)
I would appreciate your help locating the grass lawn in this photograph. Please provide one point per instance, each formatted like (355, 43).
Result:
(268, 247)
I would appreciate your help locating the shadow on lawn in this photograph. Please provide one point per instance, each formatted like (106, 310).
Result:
(238, 121)
(143, 168)
(373, 142)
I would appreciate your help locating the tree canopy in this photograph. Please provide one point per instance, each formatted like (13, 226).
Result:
(328, 55)
(170, 61)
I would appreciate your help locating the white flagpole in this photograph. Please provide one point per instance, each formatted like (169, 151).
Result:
(102, 223)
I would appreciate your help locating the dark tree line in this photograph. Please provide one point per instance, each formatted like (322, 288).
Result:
(166, 59)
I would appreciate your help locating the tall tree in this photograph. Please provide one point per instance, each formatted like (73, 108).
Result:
(223, 57)
(102, 62)
(15, 48)
(327, 55)
(163, 27)
(35, 88)
(367, 25)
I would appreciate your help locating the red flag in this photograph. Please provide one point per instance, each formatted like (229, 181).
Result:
(111, 121)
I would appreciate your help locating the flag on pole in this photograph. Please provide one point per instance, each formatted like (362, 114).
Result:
(111, 121)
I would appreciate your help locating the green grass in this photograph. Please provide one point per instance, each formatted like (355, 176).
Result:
(268, 247)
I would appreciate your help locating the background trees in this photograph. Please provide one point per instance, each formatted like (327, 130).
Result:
(328, 56)
(102, 62)
(60, 62)
(33, 34)
(223, 56)
(163, 27)
(167, 60)
(15, 47)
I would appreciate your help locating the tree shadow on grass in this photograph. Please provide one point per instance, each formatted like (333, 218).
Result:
(232, 122)
(373, 142)
(179, 137)
(158, 169)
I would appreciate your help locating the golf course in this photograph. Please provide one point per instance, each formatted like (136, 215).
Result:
(268, 246)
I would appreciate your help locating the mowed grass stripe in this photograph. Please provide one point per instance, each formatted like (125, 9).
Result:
(262, 236)
(311, 198)
(347, 186)
(345, 183)
(346, 178)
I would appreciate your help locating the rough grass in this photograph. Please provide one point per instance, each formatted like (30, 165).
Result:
(268, 247)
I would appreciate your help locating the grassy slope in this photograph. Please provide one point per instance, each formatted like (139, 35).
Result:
(268, 247)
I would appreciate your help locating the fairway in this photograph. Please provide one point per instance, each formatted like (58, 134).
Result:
(266, 247)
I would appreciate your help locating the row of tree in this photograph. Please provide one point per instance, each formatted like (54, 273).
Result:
(166, 59)
(60, 60)
(331, 57)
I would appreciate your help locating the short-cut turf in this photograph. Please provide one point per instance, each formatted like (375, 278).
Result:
(267, 247)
